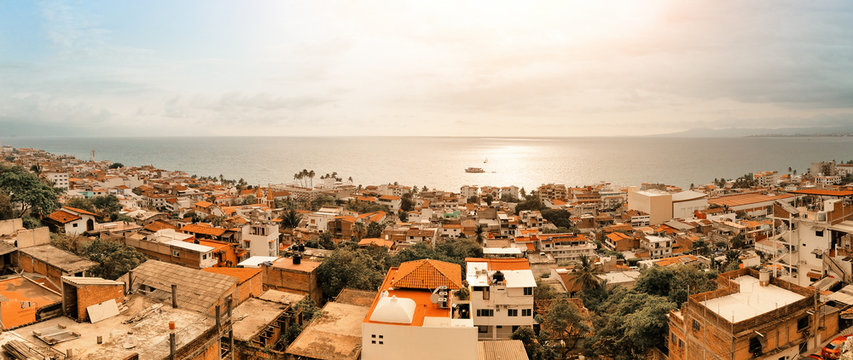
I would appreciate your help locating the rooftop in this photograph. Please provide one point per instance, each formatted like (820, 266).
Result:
(428, 274)
(62, 259)
(746, 199)
(516, 272)
(752, 300)
(303, 266)
(334, 335)
(241, 274)
(254, 315)
(197, 290)
(147, 337)
(256, 261)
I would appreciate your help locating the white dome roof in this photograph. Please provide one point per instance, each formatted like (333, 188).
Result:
(394, 310)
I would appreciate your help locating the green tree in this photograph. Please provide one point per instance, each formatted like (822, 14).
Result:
(107, 205)
(375, 229)
(453, 251)
(7, 211)
(114, 259)
(359, 230)
(406, 203)
(628, 324)
(403, 216)
(563, 327)
(479, 233)
(26, 192)
(531, 202)
(585, 275)
(116, 165)
(321, 201)
(290, 219)
(81, 203)
(673, 282)
(356, 269)
(488, 199)
(559, 217)
(250, 200)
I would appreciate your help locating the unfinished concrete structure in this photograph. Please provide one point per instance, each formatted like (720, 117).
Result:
(336, 333)
(751, 315)
(190, 289)
(259, 324)
(52, 262)
(80, 293)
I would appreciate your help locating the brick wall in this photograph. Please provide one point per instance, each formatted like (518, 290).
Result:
(88, 295)
(292, 281)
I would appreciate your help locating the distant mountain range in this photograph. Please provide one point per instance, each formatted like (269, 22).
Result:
(762, 132)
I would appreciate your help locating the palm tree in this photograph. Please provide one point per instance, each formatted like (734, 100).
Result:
(359, 230)
(290, 219)
(311, 176)
(585, 276)
(479, 233)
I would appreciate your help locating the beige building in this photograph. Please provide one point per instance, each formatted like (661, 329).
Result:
(656, 203)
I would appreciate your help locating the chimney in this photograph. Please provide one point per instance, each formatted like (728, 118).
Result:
(297, 259)
(174, 296)
(764, 277)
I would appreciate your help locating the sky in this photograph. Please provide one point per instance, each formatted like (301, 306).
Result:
(435, 68)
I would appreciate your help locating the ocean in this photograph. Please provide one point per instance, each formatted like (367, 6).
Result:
(440, 162)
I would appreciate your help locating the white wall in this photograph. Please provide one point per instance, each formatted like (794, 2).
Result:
(418, 343)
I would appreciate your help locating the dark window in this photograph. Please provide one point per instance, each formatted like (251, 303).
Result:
(818, 233)
(512, 312)
(803, 323)
(526, 312)
(485, 312)
(482, 329)
(696, 326)
(528, 291)
(755, 346)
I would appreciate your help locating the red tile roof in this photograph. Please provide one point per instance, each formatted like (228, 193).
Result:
(203, 229)
(63, 217)
(428, 274)
(79, 211)
(503, 264)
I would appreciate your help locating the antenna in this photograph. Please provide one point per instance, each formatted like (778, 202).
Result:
(93, 155)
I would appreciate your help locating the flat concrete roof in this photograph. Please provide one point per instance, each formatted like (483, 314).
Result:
(148, 337)
(335, 334)
(752, 300)
(253, 316)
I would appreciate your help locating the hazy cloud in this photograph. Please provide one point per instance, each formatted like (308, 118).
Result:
(413, 68)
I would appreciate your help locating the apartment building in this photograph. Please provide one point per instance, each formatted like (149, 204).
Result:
(59, 179)
(566, 246)
(553, 192)
(260, 239)
(501, 296)
(658, 246)
(751, 316)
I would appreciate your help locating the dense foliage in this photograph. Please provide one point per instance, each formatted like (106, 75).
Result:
(23, 193)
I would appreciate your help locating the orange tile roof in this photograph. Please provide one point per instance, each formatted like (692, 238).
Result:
(674, 260)
(242, 274)
(745, 199)
(428, 274)
(159, 225)
(203, 204)
(389, 197)
(424, 307)
(63, 217)
(376, 242)
(503, 264)
(822, 192)
(79, 211)
(203, 229)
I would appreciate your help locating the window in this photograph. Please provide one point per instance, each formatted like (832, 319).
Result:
(803, 323)
(485, 312)
(204, 256)
(528, 291)
(755, 346)
(482, 329)
(512, 312)
(696, 326)
(818, 233)
(176, 253)
(526, 312)
(74, 225)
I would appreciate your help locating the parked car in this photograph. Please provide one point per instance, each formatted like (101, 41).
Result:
(833, 349)
(814, 357)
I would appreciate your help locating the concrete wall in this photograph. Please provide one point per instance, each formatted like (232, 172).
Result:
(292, 281)
(417, 343)
(37, 236)
(11, 226)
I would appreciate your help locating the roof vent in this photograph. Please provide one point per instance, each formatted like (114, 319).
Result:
(297, 259)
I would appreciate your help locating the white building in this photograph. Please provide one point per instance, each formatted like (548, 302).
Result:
(501, 296)
(260, 239)
(469, 191)
(73, 221)
(412, 316)
(658, 246)
(656, 203)
(566, 246)
(766, 178)
(827, 180)
(59, 179)
(686, 203)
